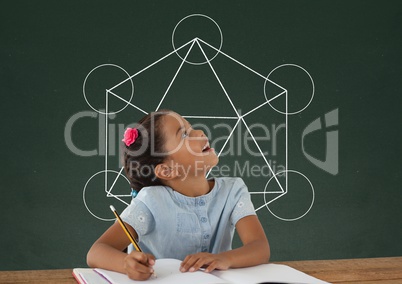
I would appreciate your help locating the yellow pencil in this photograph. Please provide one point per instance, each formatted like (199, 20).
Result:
(133, 241)
(129, 235)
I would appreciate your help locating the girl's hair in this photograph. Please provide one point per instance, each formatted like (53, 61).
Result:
(147, 151)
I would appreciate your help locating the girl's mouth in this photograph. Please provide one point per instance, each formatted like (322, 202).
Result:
(206, 148)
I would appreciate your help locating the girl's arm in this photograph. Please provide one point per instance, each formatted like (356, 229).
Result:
(255, 250)
(107, 253)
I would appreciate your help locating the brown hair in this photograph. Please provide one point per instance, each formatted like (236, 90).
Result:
(141, 157)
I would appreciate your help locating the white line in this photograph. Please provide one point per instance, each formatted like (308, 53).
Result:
(270, 100)
(263, 104)
(270, 201)
(127, 102)
(238, 62)
(175, 75)
(286, 142)
(210, 117)
(149, 66)
(216, 75)
(262, 154)
(118, 195)
(227, 140)
(106, 136)
(115, 196)
(115, 180)
(224, 145)
(254, 109)
(264, 192)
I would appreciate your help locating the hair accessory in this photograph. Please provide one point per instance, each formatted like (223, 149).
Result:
(130, 135)
(134, 193)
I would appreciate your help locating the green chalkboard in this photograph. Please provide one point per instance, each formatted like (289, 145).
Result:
(308, 91)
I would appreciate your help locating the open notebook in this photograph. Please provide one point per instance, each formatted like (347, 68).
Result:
(167, 271)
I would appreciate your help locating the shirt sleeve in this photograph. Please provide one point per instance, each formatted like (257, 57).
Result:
(242, 202)
(138, 216)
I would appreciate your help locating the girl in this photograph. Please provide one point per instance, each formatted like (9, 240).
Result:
(178, 213)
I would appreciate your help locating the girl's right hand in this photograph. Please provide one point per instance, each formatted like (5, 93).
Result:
(139, 265)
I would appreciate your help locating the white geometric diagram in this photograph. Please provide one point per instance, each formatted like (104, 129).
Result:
(239, 118)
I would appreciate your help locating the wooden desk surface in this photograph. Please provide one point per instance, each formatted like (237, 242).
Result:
(362, 271)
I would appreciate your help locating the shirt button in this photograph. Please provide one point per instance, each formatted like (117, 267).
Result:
(202, 202)
(203, 219)
(204, 250)
(206, 236)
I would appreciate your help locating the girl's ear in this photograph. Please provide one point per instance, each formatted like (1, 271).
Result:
(164, 172)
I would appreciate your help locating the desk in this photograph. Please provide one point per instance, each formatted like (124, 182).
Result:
(362, 271)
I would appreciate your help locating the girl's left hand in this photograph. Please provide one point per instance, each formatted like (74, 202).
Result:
(210, 261)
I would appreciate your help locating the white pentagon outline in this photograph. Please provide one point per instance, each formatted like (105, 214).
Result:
(238, 117)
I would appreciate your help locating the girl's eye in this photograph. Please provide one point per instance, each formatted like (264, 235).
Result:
(184, 134)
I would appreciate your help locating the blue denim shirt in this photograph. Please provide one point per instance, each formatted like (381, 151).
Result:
(172, 225)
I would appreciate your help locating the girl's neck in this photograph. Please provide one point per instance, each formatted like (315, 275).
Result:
(192, 186)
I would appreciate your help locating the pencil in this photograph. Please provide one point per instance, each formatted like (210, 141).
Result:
(129, 235)
(131, 238)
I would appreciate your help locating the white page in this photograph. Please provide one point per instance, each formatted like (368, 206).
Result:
(266, 273)
(167, 272)
(88, 276)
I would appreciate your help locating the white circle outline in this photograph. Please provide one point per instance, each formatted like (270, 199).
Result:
(103, 65)
(85, 187)
(312, 94)
(197, 15)
(283, 194)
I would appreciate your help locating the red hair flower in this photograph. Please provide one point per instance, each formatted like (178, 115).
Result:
(130, 135)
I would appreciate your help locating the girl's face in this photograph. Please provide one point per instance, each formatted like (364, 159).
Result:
(188, 149)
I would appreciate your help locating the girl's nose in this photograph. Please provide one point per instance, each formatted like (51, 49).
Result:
(198, 133)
